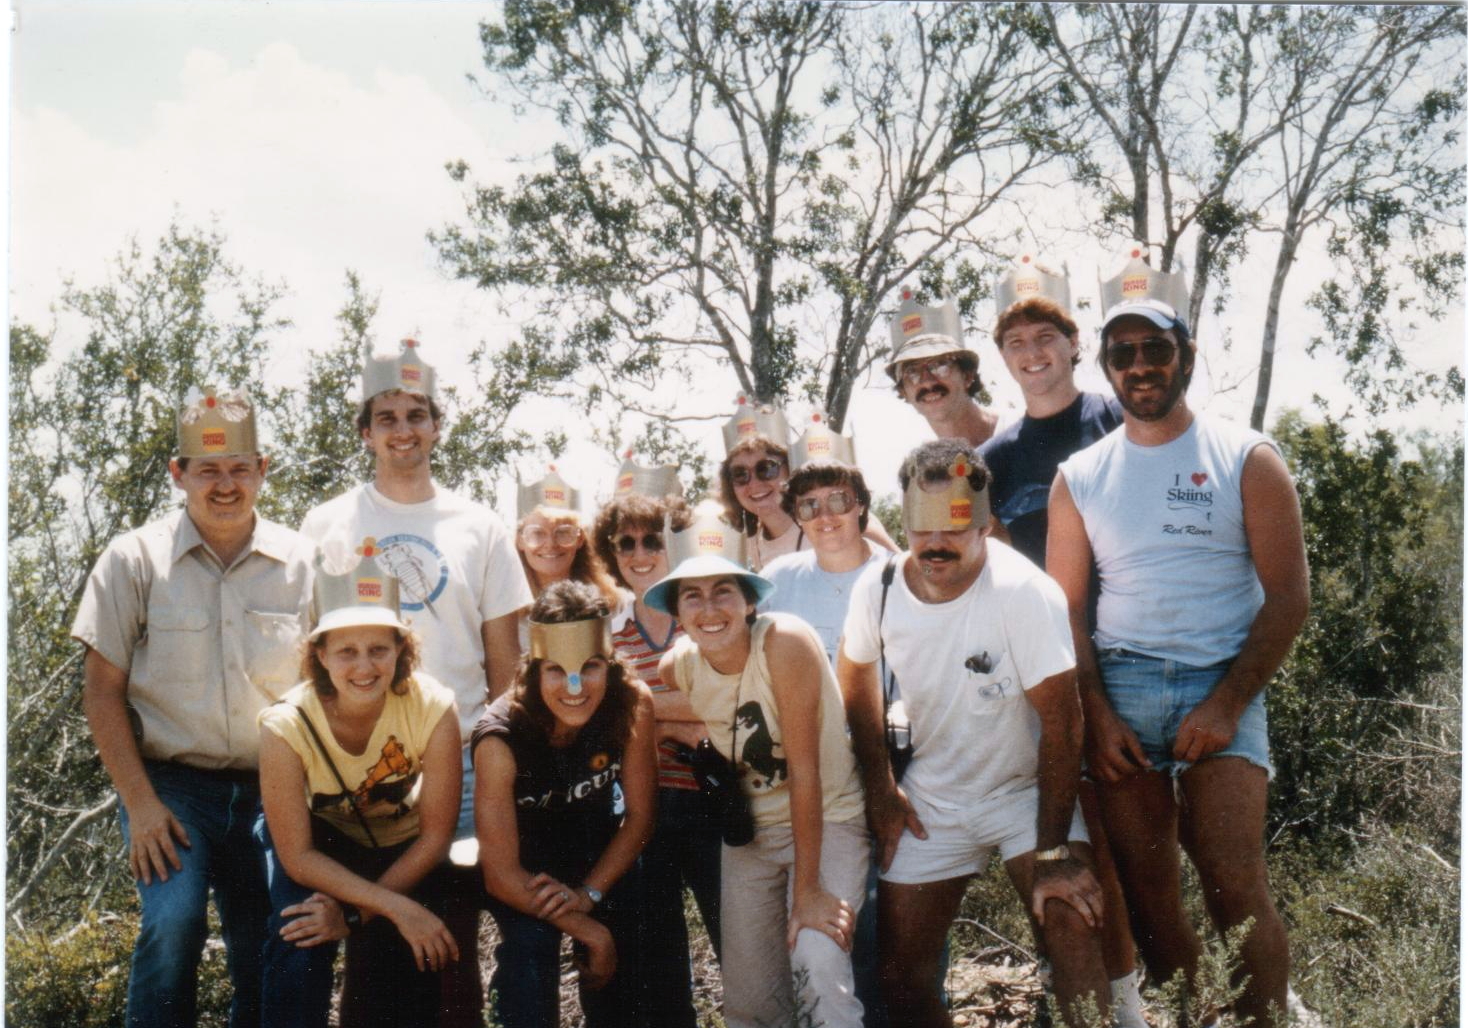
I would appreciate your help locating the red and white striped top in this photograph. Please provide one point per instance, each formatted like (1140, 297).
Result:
(641, 655)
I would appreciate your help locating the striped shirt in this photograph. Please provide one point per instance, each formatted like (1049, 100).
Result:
(641, 655)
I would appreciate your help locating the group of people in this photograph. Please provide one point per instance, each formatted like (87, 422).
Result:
(405, 714)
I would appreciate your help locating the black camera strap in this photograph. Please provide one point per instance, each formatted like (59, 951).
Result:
(351, 797)
(888, 573)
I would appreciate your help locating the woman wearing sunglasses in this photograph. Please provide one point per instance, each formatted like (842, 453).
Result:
(766, 693)
(553, 543)
(563, 803)
(752, 481)
(684, 851)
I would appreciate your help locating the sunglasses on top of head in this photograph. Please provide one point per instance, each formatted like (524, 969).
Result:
(1156, 353)
(767, 469)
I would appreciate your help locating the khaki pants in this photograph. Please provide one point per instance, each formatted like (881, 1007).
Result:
(765, 984)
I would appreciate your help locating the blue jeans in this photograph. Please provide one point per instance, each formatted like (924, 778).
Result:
(217, 810)
(1153, 695)
(297, 980)
(527, 972)
(684, 851)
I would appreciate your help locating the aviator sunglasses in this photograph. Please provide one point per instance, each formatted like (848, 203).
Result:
(534, 536)
(1156, 353)
(808, 508)
(652, 542)
(766, 470)
(938, 367)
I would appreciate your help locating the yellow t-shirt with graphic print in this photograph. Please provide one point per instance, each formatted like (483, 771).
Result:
(385, 780)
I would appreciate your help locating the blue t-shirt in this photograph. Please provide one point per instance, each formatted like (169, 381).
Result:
(1024, 456)
(818, 597)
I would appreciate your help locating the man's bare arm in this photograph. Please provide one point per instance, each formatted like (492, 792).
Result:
(501, 652)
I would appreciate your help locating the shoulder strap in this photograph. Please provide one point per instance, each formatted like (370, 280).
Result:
(889, 572)
(351, 797)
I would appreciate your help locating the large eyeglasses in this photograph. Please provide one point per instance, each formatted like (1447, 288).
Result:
(652, 542)
(766, 469)
(938, 367)
(808, 508)
(1156, 353)
(535, 536)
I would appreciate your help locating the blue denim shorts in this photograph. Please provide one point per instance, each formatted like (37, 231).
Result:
(1153, 695)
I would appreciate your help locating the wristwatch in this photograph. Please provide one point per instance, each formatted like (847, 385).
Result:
(352, 916)
(1061, 852)
(592, 894)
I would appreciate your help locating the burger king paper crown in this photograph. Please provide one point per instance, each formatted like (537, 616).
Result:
(407, 371)
(1028, 278)
(344, 599)
(550, 492)
(707, 535)
(571, 644)
(916, 324)
(748, 421)
(820, 442)
(216, 423)
(944, 505)
(634, 479)
(1138, 280)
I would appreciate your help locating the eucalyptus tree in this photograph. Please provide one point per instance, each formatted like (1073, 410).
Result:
(744, 185)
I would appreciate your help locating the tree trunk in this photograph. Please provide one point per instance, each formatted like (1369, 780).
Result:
(1283, 262)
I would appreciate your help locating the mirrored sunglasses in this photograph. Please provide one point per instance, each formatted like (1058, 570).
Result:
(808, 508)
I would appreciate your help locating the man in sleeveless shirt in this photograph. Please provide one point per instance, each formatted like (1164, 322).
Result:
(1194, 526)
(462, 588)
(192, 624)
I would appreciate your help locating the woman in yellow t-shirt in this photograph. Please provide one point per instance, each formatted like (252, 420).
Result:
(360, 779)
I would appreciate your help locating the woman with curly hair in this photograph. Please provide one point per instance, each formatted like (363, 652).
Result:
(565, 772)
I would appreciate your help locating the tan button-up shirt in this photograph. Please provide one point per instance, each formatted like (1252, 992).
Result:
(205, 646)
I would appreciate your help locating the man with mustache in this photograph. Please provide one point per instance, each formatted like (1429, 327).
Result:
(192, 625)
(1194, 527)
(933, 370)
(978, 638)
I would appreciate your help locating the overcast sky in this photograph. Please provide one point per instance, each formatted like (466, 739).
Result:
(315, 136)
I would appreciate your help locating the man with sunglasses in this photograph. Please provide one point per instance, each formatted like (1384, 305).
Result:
(933, 370)
(461, 583)
(1194, 525)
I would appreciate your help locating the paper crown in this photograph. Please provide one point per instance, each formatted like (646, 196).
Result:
(571, 644)
(1028, 278)
(1137, 281)
(635, 480)
(707, 535)
(944, 505)
(748, 421)
(820, 442)
(364, 595)
(919, 331)
(550, 492)
(216, 423)
(407, 371)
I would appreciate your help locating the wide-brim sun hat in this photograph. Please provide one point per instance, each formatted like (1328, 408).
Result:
(361, 616)
(660, 596)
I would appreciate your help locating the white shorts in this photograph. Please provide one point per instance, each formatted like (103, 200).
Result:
(960, 842)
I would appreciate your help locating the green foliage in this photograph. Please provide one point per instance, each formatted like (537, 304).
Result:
(709, 193)
(1383, 536)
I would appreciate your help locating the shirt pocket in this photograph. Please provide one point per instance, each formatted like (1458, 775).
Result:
(179, 644)
(991, 684)
(272, 647)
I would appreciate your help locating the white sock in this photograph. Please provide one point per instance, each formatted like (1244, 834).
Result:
(1126, 1002)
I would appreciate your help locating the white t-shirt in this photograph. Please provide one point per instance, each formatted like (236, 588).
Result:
(1166, 525)
(975, 735)
(456, 567)
(817, 597)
